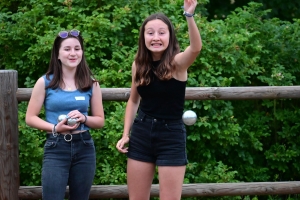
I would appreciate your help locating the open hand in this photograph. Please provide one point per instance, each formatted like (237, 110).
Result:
(190, 5)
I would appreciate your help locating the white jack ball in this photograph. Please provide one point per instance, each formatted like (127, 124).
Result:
(189, 117)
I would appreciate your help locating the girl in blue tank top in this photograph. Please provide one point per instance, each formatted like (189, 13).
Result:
(72, 101)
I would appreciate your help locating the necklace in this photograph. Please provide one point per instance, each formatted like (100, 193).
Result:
(68, 87)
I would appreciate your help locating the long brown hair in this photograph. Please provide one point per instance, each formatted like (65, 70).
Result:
(84, 78)
(143, 59)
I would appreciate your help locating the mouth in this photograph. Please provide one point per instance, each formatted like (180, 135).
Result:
(156, 44)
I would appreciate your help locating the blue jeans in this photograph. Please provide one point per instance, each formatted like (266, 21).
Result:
(70, 163)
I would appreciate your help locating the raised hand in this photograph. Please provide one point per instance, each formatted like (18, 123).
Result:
(190, 5)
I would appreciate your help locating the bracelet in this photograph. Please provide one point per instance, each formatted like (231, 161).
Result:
(54, 133)
(188, 14)
(85, 119)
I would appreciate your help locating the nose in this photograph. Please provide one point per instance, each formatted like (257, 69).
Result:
(155, 36)
(72, 52)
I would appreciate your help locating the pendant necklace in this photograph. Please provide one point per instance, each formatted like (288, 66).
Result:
(68, 87)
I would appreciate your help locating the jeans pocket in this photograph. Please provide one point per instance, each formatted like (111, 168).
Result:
(50, 143)
(136, 120)
(88, 142)
(176, 127)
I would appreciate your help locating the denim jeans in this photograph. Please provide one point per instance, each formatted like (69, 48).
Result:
(70, 163)
(158, 141)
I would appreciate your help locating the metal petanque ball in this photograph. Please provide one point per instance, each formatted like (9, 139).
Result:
(61, 117)
(70, 121)
(189, 117)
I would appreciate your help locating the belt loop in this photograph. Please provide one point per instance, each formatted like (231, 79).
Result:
(142, 115)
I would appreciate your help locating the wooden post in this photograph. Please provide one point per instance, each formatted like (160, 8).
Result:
(9, 138)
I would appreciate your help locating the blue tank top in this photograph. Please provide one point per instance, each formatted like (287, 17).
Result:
(58, 102)
(162, 99)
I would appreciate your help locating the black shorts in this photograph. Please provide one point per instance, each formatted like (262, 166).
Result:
(158, 141)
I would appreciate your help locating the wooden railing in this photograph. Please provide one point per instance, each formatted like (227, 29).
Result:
(188, 190)
(10, 189)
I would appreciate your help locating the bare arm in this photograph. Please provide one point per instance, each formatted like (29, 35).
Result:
(96, 120)
(130, 113)
(185, 59)
(35, 105)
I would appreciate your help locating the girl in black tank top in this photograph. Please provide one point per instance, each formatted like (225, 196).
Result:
(157, 135)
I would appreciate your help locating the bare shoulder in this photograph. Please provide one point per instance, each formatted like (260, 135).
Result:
(133, 66)
(41, 79)
(96, 84)
(40, 83)
(38, 91)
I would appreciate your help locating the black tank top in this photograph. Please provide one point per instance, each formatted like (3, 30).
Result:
(162, 99)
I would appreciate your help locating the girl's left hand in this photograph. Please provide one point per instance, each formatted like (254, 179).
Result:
(76, 114)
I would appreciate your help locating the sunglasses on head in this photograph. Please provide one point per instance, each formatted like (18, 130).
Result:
(65, 34)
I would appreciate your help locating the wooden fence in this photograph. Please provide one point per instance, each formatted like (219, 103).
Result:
(10, 189)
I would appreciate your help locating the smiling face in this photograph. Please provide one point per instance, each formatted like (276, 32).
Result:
(70, 53)
(157, 37)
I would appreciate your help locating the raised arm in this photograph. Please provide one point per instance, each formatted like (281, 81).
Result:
(184, 59)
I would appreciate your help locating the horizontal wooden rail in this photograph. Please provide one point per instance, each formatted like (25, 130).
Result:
(201, 93)
(188, 190)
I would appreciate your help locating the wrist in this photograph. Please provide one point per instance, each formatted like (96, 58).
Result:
(54, 132)
(85, 119)
(187, 14)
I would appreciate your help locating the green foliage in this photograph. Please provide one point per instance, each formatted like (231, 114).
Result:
(111, 164)
(231, 141)
(31, 150)
(284, 10)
